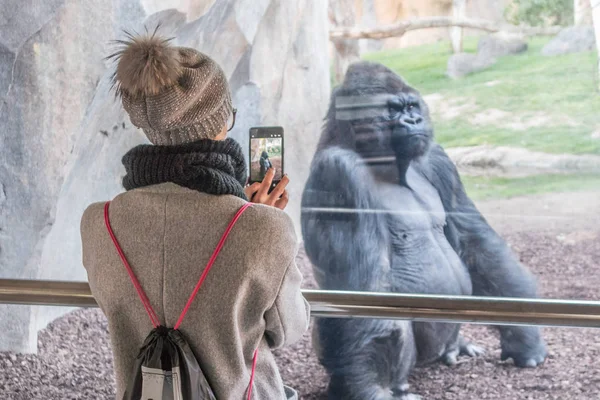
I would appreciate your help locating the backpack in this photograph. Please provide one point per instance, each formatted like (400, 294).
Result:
(166, 368)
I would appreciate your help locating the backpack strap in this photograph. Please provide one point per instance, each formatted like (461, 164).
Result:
(211, 261)
(136, 283)
(252, 374)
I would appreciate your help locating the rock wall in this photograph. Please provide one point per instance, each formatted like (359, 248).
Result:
(341, 14)
(64, 134)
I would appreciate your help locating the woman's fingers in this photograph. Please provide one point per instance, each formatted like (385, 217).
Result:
(251, 190)
(279, 190)
(263, 191)
(283, 201)
(259, 192)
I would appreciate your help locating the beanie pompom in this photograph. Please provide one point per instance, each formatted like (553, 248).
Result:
(146, 65)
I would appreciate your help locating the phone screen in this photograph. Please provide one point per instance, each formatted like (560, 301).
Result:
(266, 151)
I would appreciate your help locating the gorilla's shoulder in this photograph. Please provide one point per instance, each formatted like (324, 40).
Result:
(436, 163)
(438, 154)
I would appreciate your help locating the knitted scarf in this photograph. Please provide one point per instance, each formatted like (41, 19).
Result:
(210, 166)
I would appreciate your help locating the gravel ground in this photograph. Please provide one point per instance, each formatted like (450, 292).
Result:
(74, 355)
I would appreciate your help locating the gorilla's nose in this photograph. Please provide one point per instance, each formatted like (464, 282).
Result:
(410, 121)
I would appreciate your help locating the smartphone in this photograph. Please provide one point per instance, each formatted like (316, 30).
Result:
(266, 151)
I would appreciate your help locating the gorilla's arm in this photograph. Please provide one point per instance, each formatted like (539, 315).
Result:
(494, 269)
(346, 244)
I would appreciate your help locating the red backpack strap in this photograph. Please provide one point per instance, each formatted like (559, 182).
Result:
(209, 265)
(252, 375)
(136, 283)
(211, 261)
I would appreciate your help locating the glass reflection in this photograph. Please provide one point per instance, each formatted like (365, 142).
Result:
(453, 161)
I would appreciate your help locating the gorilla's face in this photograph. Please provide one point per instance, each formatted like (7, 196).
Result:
(386, 116)
(411, 131)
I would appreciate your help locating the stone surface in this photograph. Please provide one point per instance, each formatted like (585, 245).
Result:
(489, 48)
(64, 134)
(574, 39)
(462, 64)
(345, 51)
(501, 44)
(53, 54)
(518, 162)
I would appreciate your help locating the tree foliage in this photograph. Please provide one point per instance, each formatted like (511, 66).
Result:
(540, 12)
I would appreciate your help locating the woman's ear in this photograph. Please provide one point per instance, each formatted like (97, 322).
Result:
(222, 135)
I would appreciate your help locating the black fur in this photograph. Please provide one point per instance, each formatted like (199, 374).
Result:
(379, 251)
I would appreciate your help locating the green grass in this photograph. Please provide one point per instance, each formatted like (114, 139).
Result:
(561, 86)
(485, 188)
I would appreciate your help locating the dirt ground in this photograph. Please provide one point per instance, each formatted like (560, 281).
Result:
(74, 353)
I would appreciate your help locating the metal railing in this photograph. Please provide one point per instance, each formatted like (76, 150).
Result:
(338, 304)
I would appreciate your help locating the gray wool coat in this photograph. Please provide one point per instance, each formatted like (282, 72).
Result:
(251, 297)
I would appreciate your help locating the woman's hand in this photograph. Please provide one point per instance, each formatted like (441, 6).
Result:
(258, 192)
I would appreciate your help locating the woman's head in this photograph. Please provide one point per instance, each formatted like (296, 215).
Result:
(176, 95)
(264, 154)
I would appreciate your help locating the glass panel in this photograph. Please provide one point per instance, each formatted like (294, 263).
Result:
(432, 148)
(87, 370)
(569, 372)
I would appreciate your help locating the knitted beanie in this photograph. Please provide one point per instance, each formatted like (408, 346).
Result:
(176, 95)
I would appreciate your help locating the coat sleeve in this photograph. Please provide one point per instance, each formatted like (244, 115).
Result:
(288, 319)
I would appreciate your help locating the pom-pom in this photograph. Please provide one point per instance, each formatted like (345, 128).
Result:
(146, 65)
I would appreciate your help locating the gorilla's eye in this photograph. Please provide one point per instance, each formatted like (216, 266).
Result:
(412, 107)
(394, 109)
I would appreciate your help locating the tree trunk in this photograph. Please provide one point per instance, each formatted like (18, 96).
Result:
(582, 12)
(341, 13)
(595, 8)
(399, 28)
(459, 10)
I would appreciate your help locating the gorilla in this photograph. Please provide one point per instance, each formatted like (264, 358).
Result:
(265, 164)
(384, 210)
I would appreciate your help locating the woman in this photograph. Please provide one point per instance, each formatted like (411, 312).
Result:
(181, 193)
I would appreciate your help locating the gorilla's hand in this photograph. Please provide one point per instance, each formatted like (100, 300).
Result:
(524, 345)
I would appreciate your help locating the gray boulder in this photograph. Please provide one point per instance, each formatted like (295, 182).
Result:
(501, 44)
(463, 64)
(574, 39)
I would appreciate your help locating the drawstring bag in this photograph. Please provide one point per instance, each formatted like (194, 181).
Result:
(166, 368)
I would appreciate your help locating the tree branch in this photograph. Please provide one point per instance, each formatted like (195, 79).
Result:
(399, 28)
